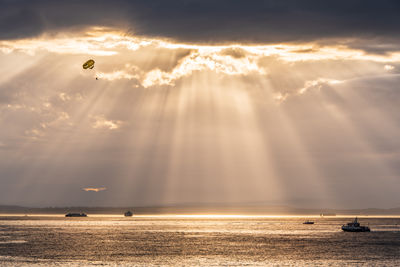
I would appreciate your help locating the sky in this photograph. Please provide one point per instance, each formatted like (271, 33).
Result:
(245, 102)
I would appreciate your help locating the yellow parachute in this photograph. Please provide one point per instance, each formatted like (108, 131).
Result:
(88, 64)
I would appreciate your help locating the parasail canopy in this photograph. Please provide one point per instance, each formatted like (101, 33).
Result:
(88, 64)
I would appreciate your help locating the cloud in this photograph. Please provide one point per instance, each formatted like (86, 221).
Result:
(127, 57)
(94, 189)
(317, 84)
(205, 21)
(388, 67)
(100, 122)
(176, 122)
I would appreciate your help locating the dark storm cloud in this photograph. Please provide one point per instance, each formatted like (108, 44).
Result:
(209, 20)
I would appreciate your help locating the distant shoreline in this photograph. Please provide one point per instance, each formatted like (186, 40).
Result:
(201, 209)
(12, 216)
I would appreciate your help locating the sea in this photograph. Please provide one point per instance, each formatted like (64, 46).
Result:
(196, 240)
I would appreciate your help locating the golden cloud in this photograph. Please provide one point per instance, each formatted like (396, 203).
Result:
(102, 123)
(232, 59)
(94, 189)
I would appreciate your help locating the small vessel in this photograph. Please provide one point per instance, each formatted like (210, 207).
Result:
(72, 214)
(355, 227)
(128, 214)
(308, 222)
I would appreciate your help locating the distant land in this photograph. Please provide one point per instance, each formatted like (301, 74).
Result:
(198, 209)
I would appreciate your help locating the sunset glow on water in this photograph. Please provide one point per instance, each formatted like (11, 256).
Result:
(194, 240)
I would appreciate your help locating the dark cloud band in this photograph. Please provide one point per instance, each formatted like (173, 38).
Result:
(208, 20)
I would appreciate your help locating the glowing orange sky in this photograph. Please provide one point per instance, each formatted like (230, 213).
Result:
(171, 122)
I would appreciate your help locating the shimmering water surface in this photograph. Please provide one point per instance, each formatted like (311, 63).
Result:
(194, 241)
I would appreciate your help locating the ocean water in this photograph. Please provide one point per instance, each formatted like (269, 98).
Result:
(195, 241)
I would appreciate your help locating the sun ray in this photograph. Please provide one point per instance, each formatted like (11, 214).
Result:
(212, 122)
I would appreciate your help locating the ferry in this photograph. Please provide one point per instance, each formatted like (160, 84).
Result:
(71, 214)
(355, 227)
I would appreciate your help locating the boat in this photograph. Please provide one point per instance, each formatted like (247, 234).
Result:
(128, 214)
(72, 214)
(308, 222)
(355, 227)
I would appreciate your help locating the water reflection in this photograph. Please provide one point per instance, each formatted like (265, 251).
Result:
(195, 240)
